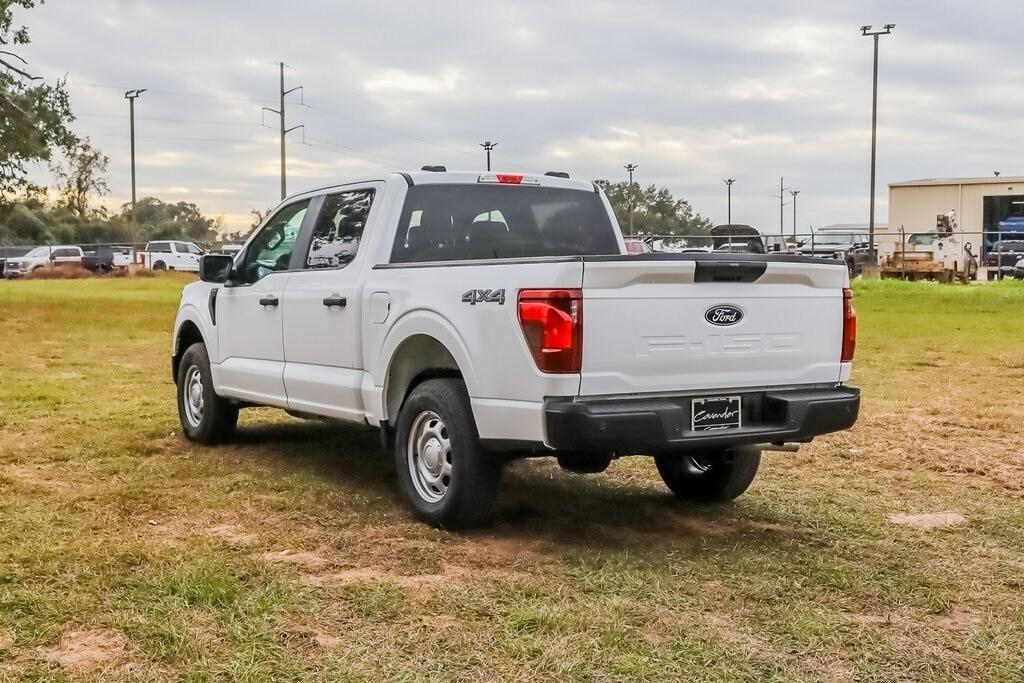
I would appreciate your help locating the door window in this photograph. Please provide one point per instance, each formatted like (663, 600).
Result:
(271, 249)
(339, 229)
(160, 247)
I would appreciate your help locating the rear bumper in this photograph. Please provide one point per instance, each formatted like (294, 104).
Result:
(638, 424)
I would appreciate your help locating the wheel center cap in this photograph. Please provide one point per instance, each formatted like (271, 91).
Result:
(432, 456)
(195, 393)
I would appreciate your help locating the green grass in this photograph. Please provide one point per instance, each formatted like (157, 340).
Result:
(287, 555)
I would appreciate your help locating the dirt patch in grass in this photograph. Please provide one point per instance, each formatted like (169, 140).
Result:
(87, 651)
(304, 559)
(41, 477)
(929, 520)
(6, 640)
(233, 534)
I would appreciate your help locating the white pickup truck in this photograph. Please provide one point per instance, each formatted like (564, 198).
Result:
(171, 255)
(475, 318)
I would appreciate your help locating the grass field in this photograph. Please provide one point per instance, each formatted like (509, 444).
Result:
(128, 554)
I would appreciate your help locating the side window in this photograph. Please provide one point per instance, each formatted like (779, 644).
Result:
(339, 229)
(64, 253)
(271, 249)
(192, 249)
(160, 247)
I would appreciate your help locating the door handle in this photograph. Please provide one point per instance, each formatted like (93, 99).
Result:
(268, 301)
(334, 300)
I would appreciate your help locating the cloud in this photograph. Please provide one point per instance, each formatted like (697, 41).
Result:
(692, 94)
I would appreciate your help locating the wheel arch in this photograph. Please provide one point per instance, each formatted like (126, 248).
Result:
(187, 334)
(416, 358)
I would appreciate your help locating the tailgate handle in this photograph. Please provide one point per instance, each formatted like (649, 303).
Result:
(729, 271)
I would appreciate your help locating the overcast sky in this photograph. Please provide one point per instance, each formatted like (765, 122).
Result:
(692, 92)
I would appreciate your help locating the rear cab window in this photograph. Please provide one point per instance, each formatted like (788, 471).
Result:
(457, 222)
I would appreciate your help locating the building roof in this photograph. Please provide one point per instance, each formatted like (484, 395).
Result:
(986, 180)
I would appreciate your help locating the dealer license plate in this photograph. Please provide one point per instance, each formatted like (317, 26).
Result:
(715, 413)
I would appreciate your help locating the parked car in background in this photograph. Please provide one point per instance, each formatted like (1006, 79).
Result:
(851, 247)
(737, 238)
(41, 257)
(1002, 258)
(172, 255)
(778, 244)
(1018, 270)
(106, 259)
(635, 245)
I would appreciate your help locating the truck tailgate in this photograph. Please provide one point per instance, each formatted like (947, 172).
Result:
(691, 322)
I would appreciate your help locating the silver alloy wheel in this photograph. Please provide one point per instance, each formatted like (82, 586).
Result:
(192, 400)
(429, 455)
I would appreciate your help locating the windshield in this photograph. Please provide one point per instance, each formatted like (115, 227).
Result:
(38, 251)
(471, 221)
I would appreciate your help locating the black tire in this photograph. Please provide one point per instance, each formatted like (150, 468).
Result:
(710, 477)
(159, 265)
(465, 496)
(218, 417)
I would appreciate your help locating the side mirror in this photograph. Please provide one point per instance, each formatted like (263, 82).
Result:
(215, 268)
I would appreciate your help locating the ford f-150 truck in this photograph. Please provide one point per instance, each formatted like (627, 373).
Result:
(474, 318)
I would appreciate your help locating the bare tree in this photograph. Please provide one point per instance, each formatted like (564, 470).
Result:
(80, 176)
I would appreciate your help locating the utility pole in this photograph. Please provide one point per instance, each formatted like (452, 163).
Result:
(782, 204)
(866, 31)
(488, 146)
(284, 131)
(794, 193)
(630, 168)
(728, 185)
(130, 95)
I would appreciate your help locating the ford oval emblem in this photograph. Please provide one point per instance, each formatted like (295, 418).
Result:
(723, 314)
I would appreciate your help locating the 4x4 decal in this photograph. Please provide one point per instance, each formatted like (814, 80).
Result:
(484, 296)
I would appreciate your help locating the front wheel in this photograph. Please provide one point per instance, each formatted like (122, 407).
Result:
(205, 417)
(710, 476)
(444, 474)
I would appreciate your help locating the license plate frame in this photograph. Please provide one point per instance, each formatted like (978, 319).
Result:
(716, 413)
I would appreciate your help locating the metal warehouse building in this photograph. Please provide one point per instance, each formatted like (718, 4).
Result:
(993, 206)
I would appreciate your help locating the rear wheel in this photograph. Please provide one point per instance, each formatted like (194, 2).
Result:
(205, 416)
(710, 476)
(159, 265)
(448, 479)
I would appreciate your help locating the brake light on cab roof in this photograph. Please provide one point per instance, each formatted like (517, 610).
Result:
(508, 179)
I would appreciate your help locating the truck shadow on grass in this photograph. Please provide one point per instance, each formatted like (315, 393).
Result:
(538, 502)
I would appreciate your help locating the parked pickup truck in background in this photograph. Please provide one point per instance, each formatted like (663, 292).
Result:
(42, 257)
(474, 318)
(171, 255)
(107, 259)
(1003, 256)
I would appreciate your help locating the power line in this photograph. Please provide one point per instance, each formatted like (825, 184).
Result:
(167, 119)
(388, 130)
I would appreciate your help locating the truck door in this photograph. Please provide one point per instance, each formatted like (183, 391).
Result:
(250, 363)
(323, 310)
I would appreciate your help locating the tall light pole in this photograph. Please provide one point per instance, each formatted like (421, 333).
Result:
(630, 168)
(130, 95)
(488, 146)
(794, 193)
(866, 31)
(284, 131)
(728, 191)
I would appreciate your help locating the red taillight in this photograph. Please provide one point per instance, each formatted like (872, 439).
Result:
(552, 322)
(849, 327)
(510, 178)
